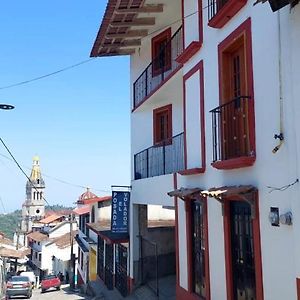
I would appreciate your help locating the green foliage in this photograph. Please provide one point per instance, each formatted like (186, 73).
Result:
(9, 222)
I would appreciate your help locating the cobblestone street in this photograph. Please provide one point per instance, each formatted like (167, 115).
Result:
(63, 294)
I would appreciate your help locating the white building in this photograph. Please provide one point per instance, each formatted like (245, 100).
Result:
(51, 249)
(213, 82)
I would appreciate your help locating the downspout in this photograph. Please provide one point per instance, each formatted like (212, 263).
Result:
(280, 135)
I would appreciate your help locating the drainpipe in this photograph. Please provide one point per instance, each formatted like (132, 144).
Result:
(280, 135)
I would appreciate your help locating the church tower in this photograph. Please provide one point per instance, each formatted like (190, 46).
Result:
(34, 206)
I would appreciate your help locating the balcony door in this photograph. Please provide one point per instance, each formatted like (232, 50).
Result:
(234, 111)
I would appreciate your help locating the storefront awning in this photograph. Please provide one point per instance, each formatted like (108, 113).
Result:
(184, 193)
(113, 237)
(244, 192)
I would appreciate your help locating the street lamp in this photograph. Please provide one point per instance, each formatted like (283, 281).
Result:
(6, 106)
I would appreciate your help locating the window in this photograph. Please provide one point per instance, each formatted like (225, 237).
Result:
(36, 255)
(93, 215)
(161, 52)
(162, 125)
(199, 272)
(40, 256)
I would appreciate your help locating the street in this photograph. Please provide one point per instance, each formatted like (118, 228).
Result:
(63, 294)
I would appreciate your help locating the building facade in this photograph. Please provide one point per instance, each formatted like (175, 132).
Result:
(214, 112)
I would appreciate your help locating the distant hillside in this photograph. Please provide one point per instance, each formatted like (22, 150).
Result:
(10, 221)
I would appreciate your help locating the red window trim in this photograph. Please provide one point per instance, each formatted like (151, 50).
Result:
(188, 210)
(298, 288)
(165, 35)
(191, 49)
(201, 169)
(226, 13)
(168, 109)
(257, 247)
(243, 29)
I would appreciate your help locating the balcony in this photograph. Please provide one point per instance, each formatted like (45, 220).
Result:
(166, 158)
(158, 71)
(221, 11)
(233, 134)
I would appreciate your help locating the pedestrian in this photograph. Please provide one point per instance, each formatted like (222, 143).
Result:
(67, 277)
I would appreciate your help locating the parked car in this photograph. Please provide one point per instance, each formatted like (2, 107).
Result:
(30, 275)
(50, 281)
(19, 286)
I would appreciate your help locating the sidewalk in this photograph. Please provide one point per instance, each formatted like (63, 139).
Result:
(166, 291)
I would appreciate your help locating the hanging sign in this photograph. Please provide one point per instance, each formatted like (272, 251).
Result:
(120, 211)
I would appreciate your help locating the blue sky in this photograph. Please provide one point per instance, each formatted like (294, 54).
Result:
(76, 121)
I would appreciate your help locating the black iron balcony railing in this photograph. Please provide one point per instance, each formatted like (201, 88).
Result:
(214, 6)
(159, 69)
(230, 129)
(165, 158)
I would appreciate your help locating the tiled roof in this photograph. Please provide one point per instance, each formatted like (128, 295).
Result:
(37, 236)
(64, 240)
(50, 219)
(11, 253)
(82, 210)
(100, 226)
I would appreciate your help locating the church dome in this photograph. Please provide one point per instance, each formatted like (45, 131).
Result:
(87, 195)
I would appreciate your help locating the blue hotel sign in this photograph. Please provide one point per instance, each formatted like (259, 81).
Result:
(120, 212)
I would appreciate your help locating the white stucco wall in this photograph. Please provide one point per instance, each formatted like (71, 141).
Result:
(191, 21)
(280, 246)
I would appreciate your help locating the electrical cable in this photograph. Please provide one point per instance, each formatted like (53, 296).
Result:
(61, 180)
(91, 59)
(21, 169)
(283, 188)
(46, 75)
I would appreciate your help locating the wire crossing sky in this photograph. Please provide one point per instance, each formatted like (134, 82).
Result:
(76, 121)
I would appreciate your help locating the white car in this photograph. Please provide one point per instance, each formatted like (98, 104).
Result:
(30, 275)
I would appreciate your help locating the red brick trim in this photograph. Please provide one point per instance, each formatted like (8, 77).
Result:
(298, 288)
(164, 35)
(243, 30)
(182, 294)
(189, 52)
(193, 171)
(226, 13)
(176, 230)
(168, 110)
(197, 68)
(234, 163)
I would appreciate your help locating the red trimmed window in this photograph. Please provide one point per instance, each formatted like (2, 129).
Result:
(162, 125)
(222, 11)
(233, 120)
(161, 52)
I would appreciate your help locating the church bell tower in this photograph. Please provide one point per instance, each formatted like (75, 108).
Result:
(34, 205)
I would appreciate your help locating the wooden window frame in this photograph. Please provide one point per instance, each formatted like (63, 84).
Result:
(166, 35)
(156, 112)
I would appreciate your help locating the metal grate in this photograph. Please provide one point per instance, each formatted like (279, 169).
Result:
(148, 81)
(230, 129)
(214, 6)
(165, 158)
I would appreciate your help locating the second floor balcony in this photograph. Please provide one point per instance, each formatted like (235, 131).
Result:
(165, 158)
(161, 68)
(233, 134)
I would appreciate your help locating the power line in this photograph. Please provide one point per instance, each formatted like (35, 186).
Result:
(7, 149)
(61, 180)
(46, 75)
(91, 59)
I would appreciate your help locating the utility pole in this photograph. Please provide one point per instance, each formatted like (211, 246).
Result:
(72, 256)
(17, 248)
